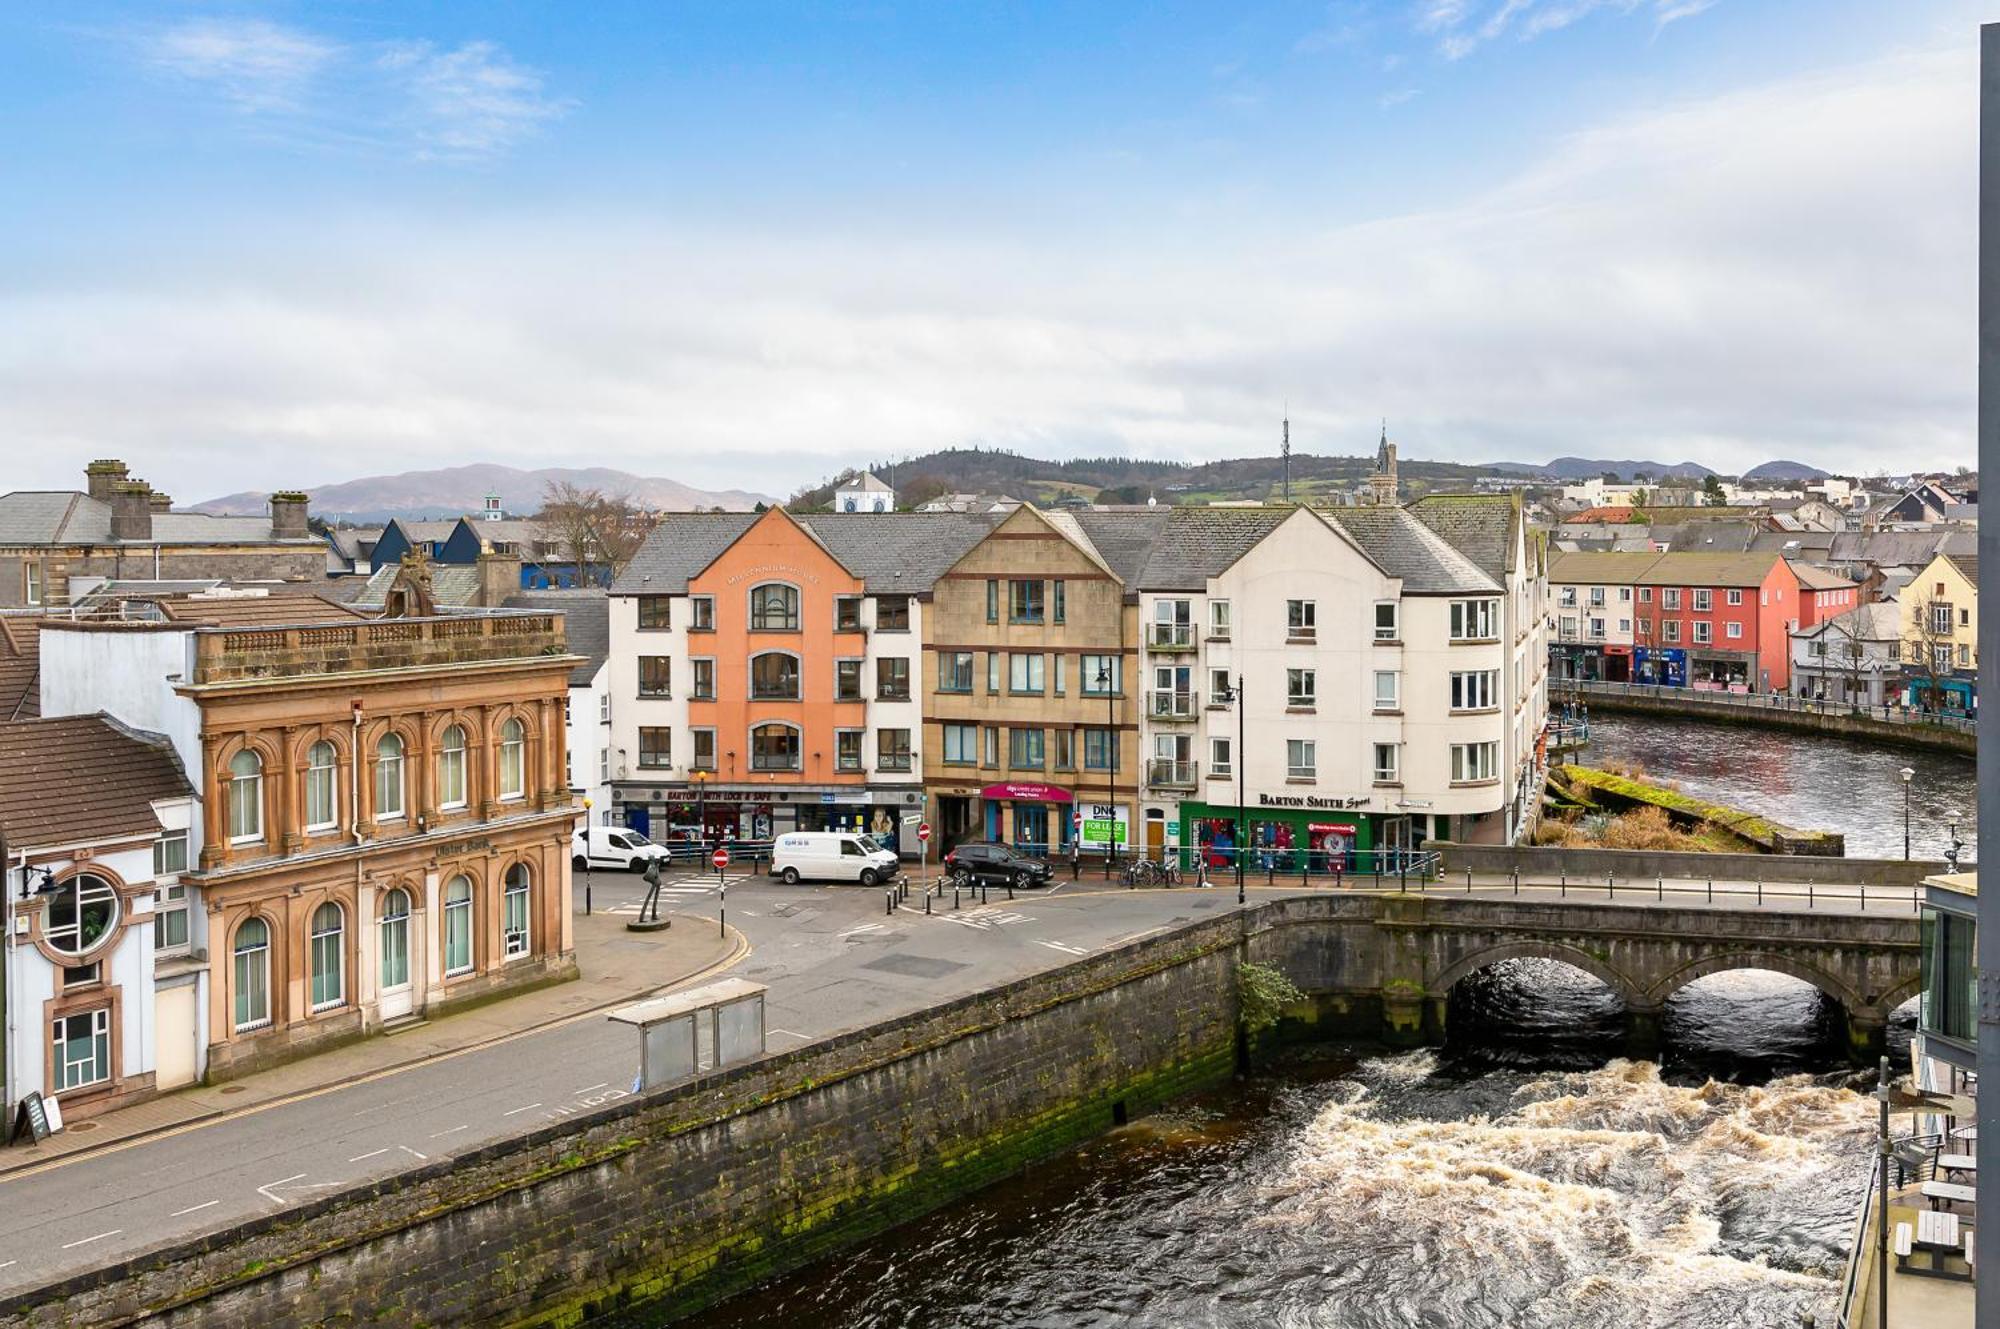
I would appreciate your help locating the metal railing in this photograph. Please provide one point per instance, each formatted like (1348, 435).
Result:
(1170, 636)
(1168, 772)
(1165, 705)
(1773, 701)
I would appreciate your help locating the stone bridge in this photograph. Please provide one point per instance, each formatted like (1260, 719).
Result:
(1404, 953)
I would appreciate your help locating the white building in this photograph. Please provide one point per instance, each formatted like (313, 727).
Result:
(864, 493)
(1854, 658)
(1392, 686)
(587, 722)
(105, 988)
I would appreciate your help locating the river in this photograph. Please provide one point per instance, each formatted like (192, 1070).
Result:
(1809, 781)
(1523, 1175)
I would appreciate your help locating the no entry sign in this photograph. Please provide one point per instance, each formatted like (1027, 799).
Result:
(924, 831)
(720, 858)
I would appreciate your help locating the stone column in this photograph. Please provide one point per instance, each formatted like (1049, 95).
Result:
(214, 807)
(364, 788)
(1867, 1036)
(1643, 1031)
(487, 795)
(551, 784)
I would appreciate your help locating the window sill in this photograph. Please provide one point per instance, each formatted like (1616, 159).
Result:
(1301, 641)
(1301, 710)
(1388, 641)
(1475, 710)
(1214, 639)
(654, 696)
(696, 627)
(1475, 641)
(1387, 784)
(1302, 779)
(1222, 775)
(1493, 780)
(904, 696)
(699, 696)
(891, 631)
(1388, 712)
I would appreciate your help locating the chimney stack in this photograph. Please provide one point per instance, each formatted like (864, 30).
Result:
(160, 502)
(288, 516)
(499, 577)
(101, 475)
(131, 510)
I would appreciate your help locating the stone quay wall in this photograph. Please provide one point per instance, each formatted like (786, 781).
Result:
(653, 1207)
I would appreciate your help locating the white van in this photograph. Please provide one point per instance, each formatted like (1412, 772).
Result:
(618, 847)
(831, 856)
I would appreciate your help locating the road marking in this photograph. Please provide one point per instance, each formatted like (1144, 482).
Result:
(265, 1189)
(182, 1213)
(69, 1246)
(1059, 946)
(591, 1088)
(425, 1158)
(864, 928)
(452, 1130)
(10, 1264)
(363, 1158)
(511, 1111)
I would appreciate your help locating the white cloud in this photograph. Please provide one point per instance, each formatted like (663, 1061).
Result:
(1781, 272)
(466, 103)
(253, 64)
(1462, 28)
(470, 102)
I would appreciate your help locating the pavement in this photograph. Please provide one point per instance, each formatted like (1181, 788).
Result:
(833, 957)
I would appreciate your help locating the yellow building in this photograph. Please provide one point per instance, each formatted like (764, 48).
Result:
(1940, 646)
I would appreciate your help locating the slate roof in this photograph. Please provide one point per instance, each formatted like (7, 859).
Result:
(1599, 569)
(20, 667)
(1880, 621)
(889, 551)
(586, 625)
(1968, 564)
(237, 611)
(1814, 578)
(1481, 526)
(70, 517)
(866, 481)
(1408, 548)
(453, 586)
(76, 778)
(1731, 537)
(1196, 543)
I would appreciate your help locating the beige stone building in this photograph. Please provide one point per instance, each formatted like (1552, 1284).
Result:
(384, 808)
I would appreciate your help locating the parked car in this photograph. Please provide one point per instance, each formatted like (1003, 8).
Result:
(618, 847)
(831, 856)
(998, 864)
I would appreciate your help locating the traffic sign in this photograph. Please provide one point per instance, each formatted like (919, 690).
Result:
(720, 858)
(924, 831)
(1076, 819)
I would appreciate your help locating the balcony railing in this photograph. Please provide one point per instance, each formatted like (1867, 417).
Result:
(227, 654)
(1168, 705)
(1168, 773)
(1170, 636)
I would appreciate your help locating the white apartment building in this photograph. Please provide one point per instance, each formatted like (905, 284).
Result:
(1392, 690)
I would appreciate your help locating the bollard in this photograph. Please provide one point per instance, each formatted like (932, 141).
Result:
(1468, 881)
(1760, 892)
(586, 896)
(1270, 871)
(1610, 890)
(1864, 897)
(1711, 890)
(954, 897)
(927, 904)
(982, 894)
(889, 903)
(1809, 895)
(722, 912)
(1563, 886)
(1010, 888)
(1660, 887)
(1517, 881)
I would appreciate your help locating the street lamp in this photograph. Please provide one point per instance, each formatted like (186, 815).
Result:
(1242, 835)
(700, 778)
(1906, 774)
(1104, 684)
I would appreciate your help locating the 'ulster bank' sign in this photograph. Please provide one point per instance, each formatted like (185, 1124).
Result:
(1309, 801)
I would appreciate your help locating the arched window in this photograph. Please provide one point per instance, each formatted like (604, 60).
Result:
(513, 764)
(458, 926)
(246, 797)
(515, 917)
(774, 747)
(774, 676)
(389, 778)
(322, 803)
(252, 957)
(774, 607)
(451, 768)
(82, 914)
(395, 930)
(329, 972)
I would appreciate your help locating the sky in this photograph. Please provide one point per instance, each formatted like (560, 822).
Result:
(269, 245)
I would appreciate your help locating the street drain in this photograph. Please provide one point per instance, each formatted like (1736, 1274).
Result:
(76, 1127)
(232, 1088)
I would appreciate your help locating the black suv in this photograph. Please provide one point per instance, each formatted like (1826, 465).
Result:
(997, 865)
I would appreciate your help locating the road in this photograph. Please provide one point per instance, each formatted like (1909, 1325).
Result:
(833, 958)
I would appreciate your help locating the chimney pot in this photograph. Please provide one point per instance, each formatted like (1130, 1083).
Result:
(288, 515)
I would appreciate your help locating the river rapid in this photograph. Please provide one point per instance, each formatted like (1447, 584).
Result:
(1523, 1175)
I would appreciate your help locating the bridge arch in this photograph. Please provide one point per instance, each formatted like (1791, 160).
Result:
(1441, 984)
(1900, 993)
(1777, 963)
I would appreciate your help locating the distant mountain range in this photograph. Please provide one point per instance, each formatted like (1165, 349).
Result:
(460, 489)
(1785, 470)
(1583, 468)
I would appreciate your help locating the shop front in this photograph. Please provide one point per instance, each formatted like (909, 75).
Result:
(1029, 815)
(750, 817)
(1664, 666)
(1283, 834)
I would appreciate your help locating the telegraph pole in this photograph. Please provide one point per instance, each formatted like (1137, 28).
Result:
(1285, 451)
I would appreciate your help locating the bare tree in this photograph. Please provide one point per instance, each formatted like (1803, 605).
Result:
(1846, 653)
(588, 528)
(1928, 648)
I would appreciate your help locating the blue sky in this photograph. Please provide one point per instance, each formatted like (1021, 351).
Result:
(268, 244)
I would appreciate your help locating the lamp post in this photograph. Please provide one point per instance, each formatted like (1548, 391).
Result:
(586, 855)
(1906, 774)
(700, 812)
(1236, 699)
(1105, 683)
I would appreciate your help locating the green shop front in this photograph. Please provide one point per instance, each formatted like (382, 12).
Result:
(1289, 834)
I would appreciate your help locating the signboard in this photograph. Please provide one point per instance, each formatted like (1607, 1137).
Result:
(924, 832)
(31, 1119)
(1028, 790)
(720, 858)
(1104, 825)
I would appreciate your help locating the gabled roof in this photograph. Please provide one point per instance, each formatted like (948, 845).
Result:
(1815, 578)
(1600, 568)
(78, 778)
(1486, 528)
(889, 551)
(72, 517)
(1193, 544)
(453, 585)
(586, 625)
(868, 481)
(1967, 564)
(1695, 569)
(1405, 547)
(1880, 621)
